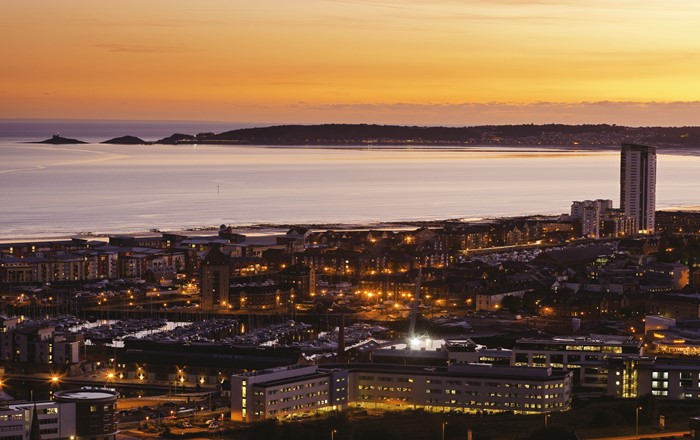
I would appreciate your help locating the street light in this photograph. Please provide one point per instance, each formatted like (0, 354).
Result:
(443, 430)
(54, 381)
(333, 432)
(546, 419)
(636, 420)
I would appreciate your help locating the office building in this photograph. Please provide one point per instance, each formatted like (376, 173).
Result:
(584, 355)
(638, 185)
(94, 412)
(675, 379)
(301, 390)
(84, 414)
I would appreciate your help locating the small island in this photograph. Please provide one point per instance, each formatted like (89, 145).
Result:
(126, 140)
(59, 140)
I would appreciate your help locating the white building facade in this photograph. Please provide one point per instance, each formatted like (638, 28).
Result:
(299, 390)
(638, 185)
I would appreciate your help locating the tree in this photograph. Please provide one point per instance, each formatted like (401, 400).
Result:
(512, 302)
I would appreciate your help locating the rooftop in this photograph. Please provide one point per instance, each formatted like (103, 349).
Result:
(600, 340)
(87, 395)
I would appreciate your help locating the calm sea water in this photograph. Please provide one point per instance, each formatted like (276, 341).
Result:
(60, 190)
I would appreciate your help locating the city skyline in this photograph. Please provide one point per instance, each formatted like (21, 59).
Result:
(446, 63)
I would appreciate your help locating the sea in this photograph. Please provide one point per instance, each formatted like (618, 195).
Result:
(93, 189)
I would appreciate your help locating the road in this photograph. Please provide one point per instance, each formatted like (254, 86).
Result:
(676, 434)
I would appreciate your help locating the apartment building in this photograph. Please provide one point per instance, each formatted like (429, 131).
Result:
(32, 343)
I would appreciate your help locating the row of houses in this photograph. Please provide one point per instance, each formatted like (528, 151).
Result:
(80, 260)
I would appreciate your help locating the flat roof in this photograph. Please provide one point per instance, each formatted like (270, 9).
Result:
(88, 395)
(477, 371)
(602, 340)
(274, 370)
(293, 379)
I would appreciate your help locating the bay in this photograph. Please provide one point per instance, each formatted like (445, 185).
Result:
(50, 190)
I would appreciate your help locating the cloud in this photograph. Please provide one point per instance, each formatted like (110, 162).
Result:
(141, 48)
(164, 23)
(376, 4)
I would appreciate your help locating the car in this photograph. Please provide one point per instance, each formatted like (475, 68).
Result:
(214, 425)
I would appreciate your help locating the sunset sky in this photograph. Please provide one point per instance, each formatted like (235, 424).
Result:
(452, 62)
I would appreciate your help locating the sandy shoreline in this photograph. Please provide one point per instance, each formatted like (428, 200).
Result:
(257, 230)
(267, 229)
(445, 147)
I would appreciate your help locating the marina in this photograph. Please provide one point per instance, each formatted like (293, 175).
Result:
(224, 332)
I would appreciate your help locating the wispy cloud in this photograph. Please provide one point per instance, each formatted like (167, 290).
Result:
(142, 48)
(478, 11)
(164, 23)
(376, 4)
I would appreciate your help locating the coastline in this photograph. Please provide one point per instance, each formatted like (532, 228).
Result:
(256, 230)
(268, 229)
(399, 147)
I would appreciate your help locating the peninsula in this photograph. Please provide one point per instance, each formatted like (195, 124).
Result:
(572, 136)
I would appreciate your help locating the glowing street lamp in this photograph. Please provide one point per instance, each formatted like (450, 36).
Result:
(53, 382)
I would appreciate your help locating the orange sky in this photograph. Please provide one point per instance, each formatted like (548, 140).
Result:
(391, 61)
